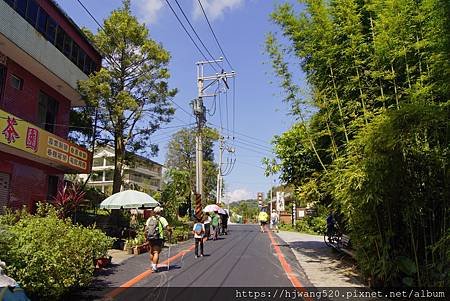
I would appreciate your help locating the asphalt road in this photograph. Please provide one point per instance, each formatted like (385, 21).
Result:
(245, 258)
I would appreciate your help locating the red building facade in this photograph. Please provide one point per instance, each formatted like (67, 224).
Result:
(42, 56)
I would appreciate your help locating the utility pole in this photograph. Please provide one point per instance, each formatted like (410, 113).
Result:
(271, 197)
(219, 173)
(199, 112)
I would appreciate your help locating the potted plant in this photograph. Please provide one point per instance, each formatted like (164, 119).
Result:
(103, 262)
(128, 246)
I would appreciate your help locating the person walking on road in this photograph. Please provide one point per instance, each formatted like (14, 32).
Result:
(224, 222)
(215, 224)
(154, 232)
(199, 231)
(330, 225)
(263, 218)
(207, 223)
(274, 218)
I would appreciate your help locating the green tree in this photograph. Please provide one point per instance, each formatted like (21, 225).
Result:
(130, 92)
(176, 192)
(376, 144)
(181, 157)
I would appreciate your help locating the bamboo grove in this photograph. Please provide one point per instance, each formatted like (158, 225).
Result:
(372, 137)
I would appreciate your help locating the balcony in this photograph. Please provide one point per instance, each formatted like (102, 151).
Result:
(25, 140)
(22, 43)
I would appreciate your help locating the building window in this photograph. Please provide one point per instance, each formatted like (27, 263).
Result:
(16, 82)
(92, 67)
(67, 45)
(10, 3)
(21, 7)
(109, 161)
(87, 65)
(47, 111)
(98, 162)
(50, 30)
(52, 189)
(109, 175)
(154, 182)
(32, 12)
(59, 42)
(81, 59)
(42, 21)
(74, 55)
(97, 176)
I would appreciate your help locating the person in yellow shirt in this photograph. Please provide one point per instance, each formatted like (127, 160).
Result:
(263, 217)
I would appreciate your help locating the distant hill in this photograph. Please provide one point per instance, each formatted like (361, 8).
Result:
(247, 209)
(251, 203)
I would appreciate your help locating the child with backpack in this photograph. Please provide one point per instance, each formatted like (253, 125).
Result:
(199, 232)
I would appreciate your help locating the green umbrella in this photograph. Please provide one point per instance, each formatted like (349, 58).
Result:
(129, 199)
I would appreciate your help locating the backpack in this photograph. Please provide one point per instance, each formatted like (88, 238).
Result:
(263, 216)
(275, 218)
(198, 229)
(153, 229)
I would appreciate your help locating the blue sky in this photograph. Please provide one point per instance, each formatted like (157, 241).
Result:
(241, 26)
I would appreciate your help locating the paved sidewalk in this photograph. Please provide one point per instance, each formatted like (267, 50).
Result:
(118, 256)
(324, 266)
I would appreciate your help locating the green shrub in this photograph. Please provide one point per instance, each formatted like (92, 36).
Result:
(286, 227)
(318, 224)
(180, 232)
(302, 225)
(50, 256)
(308, 224)
(392, 189)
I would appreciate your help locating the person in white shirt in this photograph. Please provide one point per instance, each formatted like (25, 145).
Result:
(207, 223)
(274, 218)
(199, 231)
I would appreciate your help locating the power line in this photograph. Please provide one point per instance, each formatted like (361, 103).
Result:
(251, 143)
(256, 146)
(253, 147)
(242, 134)
(195, 32)
(187, 32)
(181, 108)
(89, 13)
(255, 151)
(215, 37)
(250, 164)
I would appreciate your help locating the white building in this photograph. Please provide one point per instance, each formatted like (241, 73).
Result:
(145, 174)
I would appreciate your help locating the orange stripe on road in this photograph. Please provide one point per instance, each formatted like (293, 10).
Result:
(287, 268)
(142, 276)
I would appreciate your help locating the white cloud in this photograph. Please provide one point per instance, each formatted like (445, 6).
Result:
(215, 8)
(148, 10)
(239, 194)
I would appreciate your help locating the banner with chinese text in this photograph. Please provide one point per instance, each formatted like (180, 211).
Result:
(32, 139)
